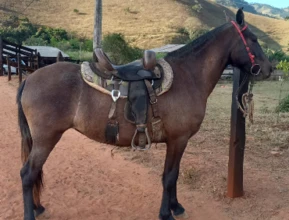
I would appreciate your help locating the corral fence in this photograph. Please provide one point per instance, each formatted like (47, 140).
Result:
(18, 59)
(228, 73)
(21, 58)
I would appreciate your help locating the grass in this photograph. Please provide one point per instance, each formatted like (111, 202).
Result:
(207, 151)
(265, 135)
(80, 55)
(153, 25)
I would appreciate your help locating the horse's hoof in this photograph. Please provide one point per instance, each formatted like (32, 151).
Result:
(39, 210)
(178, 210)
(184, 215)
(167, 218)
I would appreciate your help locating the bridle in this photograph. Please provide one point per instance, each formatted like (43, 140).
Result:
(247, 106)
(254, 66)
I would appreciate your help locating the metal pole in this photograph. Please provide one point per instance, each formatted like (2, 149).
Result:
(237, 140)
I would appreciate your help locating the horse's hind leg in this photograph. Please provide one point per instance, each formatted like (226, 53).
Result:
(175, 150)
(31, 175)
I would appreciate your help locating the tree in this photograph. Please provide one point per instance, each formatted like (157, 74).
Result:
(97, 33)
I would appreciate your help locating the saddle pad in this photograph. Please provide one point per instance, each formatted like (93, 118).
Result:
(95, 81)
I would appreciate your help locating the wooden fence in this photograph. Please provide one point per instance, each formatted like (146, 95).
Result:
(11, 51)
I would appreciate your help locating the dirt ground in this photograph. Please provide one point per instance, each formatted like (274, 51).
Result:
(83, 181)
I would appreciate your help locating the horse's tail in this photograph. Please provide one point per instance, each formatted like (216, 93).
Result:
(26, 144)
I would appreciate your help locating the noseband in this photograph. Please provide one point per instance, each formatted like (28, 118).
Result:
(254, 66)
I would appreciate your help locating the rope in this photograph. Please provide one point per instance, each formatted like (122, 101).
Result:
(247, 101)
(248, 106)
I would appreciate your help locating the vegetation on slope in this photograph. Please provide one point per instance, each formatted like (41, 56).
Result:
(144, 23)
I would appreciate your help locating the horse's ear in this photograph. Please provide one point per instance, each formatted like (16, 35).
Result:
(240, 17)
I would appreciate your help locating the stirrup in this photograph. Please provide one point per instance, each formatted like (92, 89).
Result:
(147, 147)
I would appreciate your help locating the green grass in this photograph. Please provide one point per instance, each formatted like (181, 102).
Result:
(268, 128)
(80, 55)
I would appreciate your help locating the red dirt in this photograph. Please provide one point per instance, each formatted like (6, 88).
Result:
(83, 181)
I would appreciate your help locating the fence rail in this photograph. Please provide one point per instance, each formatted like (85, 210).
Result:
(19, 53)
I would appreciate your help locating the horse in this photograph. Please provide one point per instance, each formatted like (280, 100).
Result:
(55, 98)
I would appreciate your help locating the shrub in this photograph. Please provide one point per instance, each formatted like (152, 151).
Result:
(283, 105)
(276, 55)
(35, 41)
(119, 50)
(197, 33)
(87, 45)
(197, 8)
(186, 36)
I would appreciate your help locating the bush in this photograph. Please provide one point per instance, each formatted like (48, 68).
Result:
(198, 33)
(278, 55)
(87, 45)
(283, 105)
(119, 50)
(21, 31)
(35, 41)
(186, 36)
(197, 8)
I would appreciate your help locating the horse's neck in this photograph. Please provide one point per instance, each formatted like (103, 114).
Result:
(214, 62)
(203, 70)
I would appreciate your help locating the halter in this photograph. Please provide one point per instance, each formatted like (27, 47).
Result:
(251, 56)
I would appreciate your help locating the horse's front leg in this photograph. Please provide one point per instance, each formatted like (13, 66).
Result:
(175, 150)
(177, 209)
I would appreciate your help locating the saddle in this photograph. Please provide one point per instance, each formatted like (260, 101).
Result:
(143, 78)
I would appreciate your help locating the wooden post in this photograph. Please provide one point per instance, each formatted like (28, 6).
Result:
(1, 57)
(59, 57)
(19, 67)
(97, 31)
(38, 59)
(9, 67)
(237, 140)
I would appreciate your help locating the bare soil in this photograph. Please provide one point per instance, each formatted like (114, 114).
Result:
(83, 180)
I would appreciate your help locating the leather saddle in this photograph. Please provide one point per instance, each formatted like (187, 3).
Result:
(135, 71)
(140, 76)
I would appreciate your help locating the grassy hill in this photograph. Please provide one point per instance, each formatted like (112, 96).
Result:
(270, 10)
(145, 23)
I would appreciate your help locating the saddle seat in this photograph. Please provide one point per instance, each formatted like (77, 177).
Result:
(134, 71)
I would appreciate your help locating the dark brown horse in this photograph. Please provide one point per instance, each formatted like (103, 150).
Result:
(55, 98)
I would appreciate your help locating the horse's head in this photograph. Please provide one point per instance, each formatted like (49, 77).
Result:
(247, 53)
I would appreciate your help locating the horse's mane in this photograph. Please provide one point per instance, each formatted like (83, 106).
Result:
(198, 44)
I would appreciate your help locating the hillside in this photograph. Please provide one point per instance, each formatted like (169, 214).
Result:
(270, 10)
(143, 22)
(256, 8)
(238, 4)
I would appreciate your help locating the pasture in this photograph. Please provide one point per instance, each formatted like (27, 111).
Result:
(83, 180)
